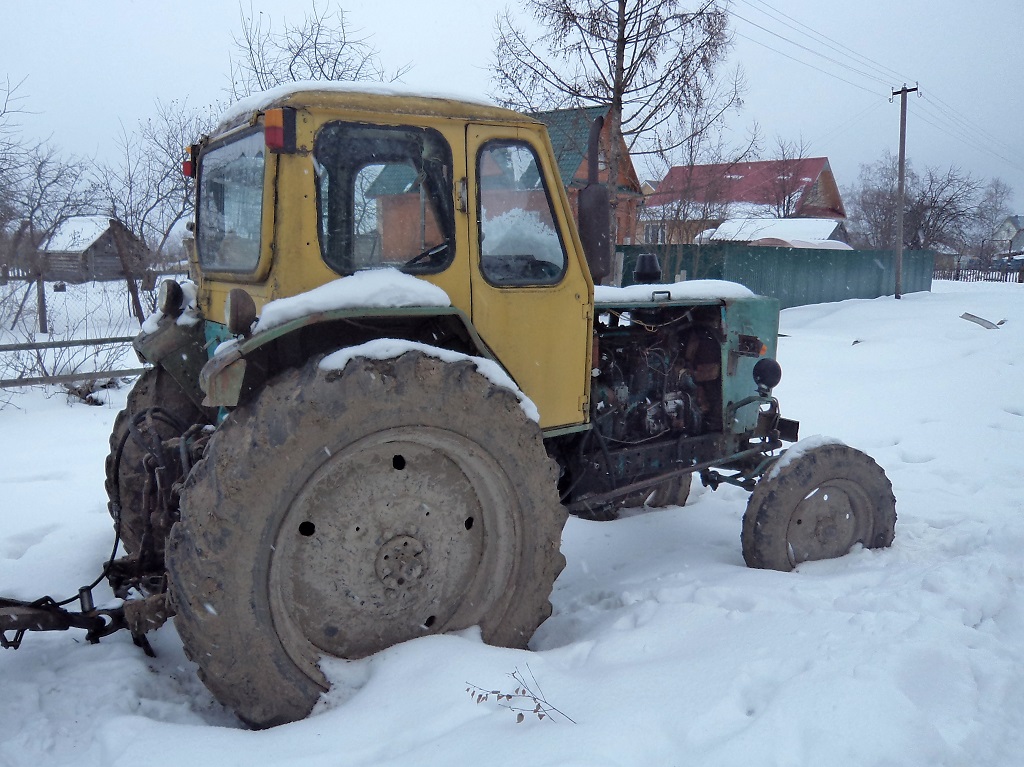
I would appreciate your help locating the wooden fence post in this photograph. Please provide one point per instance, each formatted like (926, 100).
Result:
(41, 304)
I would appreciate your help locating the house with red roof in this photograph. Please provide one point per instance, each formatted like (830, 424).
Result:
(693, 198)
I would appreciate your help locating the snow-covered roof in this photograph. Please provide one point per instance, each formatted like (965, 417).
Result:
(76, 234)
(817, 244)
(789, 229)
(260, 101)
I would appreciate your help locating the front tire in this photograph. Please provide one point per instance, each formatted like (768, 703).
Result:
(160, 409)
(818, 506)
(340, 513)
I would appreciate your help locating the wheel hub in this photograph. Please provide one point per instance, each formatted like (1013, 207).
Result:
(823, 525)
(385, 543)
(400, 562)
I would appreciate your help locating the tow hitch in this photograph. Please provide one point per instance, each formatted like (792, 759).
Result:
(139, 616)
(47, 615)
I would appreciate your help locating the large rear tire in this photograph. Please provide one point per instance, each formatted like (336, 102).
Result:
(818, 506)
(172, 412)
(340, 513)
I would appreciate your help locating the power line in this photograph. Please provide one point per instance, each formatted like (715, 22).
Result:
(806, 64)
(954, 132)
(938, 114)
(835, 45)
(843, 127)
(812, 51)
(965, 123)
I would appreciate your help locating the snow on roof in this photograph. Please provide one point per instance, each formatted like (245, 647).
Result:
(76, 234)
(259, 101)
(820, 244)
(790, 229)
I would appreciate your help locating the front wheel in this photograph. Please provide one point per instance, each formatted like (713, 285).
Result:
(340, 513)
(818, 505)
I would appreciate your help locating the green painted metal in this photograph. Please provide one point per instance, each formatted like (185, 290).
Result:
(752, 318)
(795, 276)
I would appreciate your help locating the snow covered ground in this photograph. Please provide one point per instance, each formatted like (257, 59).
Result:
(663, 649)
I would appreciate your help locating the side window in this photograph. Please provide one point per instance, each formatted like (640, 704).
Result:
(231, 205)
(519, 241)
(384, 198)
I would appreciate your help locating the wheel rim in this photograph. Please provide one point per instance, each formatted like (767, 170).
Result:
(405, 533)
(828, 522)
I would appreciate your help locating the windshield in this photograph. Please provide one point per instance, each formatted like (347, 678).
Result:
(384, 198)
(231, 205)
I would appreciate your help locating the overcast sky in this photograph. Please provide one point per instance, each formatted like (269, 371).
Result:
(91, 67)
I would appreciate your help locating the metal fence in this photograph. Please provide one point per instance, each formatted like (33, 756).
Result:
(77, 376)
(89, 330)
(795, 276)
(999, 274)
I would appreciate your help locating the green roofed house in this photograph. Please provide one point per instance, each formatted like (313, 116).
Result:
(569, 130)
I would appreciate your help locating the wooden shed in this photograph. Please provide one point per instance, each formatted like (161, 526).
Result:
(92, 248)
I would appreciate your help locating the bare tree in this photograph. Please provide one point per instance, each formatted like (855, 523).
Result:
(145, 189)
(648, 61)
(678, 214)
(993, 209)
(321, 47)
(942, 209)
(52, 189)
(786, 187)
(12, 153)
(872, 204)
(945, 209)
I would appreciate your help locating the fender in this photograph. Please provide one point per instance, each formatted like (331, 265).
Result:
(238, 369)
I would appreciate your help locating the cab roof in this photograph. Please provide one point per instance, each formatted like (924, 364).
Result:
(363, 97)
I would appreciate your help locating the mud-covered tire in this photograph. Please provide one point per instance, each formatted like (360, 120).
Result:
(674, 492)
(339, 513)
(125, 475)
(818, 506)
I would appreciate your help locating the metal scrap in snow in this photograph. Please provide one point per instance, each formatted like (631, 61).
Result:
(981, 321)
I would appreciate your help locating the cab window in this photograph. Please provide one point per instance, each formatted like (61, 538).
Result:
(384, 198)
(519, 241)
(230, 205)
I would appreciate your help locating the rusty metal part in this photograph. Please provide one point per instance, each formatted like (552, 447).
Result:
(145, 615)
(46, 615)
(649, 483)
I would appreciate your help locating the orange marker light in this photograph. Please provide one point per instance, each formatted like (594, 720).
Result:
(279, 130)
(188, 165)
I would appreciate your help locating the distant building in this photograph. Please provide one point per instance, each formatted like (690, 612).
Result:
(1009, 237)
(822, 233)
(694, 198)
(92, 248)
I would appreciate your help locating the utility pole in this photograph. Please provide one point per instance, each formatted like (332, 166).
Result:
(901, 194)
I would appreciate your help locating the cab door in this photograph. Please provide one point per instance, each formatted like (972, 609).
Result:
(531, 292)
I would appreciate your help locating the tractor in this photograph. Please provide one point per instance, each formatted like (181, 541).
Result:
(391, 377)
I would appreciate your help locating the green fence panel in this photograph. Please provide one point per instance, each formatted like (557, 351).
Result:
(795, 276)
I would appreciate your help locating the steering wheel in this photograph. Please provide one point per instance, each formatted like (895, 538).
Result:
(433, 255)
